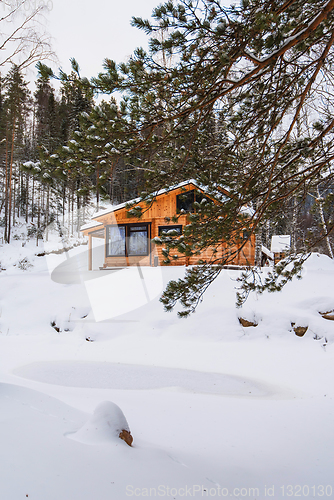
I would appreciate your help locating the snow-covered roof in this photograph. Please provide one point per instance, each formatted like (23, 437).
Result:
(280, 243)
(267, 252)
(90, 225)
(114, 208)
(244, 210)
(137, 200)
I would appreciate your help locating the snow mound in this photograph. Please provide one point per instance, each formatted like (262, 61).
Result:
(319, 262)
(105, 425)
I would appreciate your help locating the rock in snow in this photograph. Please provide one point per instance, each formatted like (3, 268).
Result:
(245, 323)
(299, 330)
(108, 423)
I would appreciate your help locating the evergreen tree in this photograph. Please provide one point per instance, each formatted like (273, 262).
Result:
(94, 154)
(76, 98)
(16, 107)
(3, 116)
(46, 116)
(265, 69)
(56, 121)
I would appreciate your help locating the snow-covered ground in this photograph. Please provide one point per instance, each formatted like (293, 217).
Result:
(215, 409)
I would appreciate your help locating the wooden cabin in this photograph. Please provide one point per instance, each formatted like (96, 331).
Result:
(128, 241)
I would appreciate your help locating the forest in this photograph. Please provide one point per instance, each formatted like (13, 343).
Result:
(238, 96)
(39, 182)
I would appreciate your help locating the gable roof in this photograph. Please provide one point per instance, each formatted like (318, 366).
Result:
(90, 225)
(158, 193)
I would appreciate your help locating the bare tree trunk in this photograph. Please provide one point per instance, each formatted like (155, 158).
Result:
(27, 196)
(43, 198)
(47, 214)
(258, 246)
(38, 213)
(64, 203)
(10, 183)
(97, 187)
(19, 193)
(69, 210)
(78, 216)
(293, 227)
(39, 208)
(323, 223)
(111, 195)
(6, 190)
(32, 199)
(72, 210)
(14, 193)
(267, 231)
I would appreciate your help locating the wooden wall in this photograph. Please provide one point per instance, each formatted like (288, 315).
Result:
(165, 207)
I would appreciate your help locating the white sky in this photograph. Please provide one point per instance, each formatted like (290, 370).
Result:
(92, 30)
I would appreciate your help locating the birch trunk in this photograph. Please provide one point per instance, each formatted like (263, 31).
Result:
(323, 223)
(10, 183)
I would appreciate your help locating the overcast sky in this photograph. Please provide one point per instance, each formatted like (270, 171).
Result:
(91, 30)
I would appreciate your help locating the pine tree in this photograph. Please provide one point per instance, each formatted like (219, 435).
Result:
(262, 68)
(46, 116)
(56, 121)
(76, 98)
(2, 143)
(16, 106)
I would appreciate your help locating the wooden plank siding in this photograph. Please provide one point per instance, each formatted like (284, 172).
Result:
(155, 215)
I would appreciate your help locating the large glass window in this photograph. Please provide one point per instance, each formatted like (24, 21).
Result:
(138, 240)
(116, 240)
(127, 239)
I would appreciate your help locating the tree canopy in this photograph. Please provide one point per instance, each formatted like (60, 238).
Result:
(258, 78)
(264, 67)
(236, 97)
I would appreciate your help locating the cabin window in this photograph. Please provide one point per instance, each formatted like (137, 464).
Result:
(116, 241)
(137, 240)
(166, 229)
(185, 201)
(127, 239)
